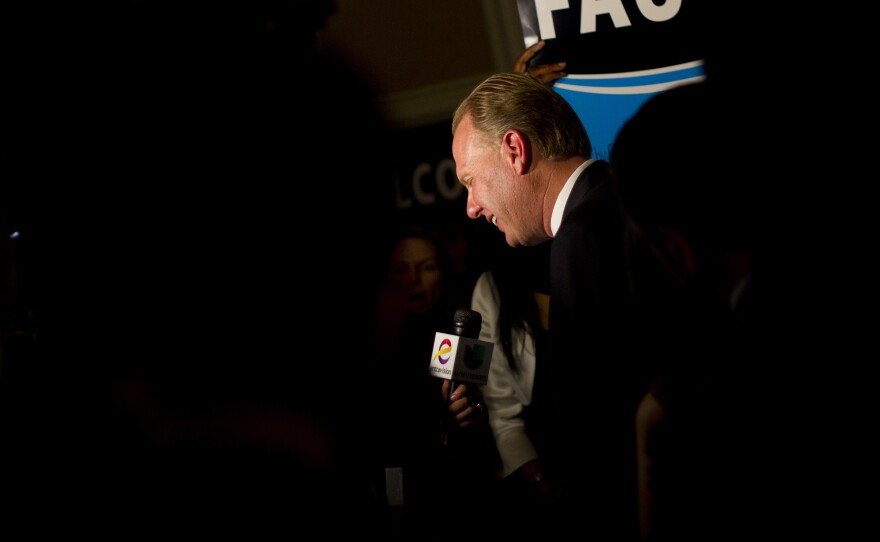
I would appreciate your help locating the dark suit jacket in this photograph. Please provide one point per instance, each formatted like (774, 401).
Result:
(596, 381)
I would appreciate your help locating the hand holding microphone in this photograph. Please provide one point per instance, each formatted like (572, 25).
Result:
(463, 360)
(465, 405)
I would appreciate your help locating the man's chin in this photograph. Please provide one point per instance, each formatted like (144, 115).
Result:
(515, 243)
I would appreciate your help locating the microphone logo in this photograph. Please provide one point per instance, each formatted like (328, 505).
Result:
(474, 356)
(444, 350)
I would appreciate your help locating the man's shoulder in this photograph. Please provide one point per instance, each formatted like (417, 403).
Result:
(598, 169)
(596, 190)
(593, 212)
(594, 182)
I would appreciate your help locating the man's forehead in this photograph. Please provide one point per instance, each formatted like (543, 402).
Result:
(461, 141)
(463, 130)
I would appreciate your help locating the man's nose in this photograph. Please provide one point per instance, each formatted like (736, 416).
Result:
(473, 210)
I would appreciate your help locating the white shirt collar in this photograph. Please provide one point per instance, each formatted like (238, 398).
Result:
(559, 206)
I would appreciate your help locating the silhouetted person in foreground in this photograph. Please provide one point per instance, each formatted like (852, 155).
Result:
(199, 362)
(728, 430)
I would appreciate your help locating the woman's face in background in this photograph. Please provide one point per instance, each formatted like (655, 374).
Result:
(415, 270)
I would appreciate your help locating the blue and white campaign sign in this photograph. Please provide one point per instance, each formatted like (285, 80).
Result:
(618, 53)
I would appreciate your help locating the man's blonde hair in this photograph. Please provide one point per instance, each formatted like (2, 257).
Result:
(509, 100)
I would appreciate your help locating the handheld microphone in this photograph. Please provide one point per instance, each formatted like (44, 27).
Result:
(462, 357)
(466, 323)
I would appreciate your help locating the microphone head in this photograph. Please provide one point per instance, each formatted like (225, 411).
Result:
(467, 323)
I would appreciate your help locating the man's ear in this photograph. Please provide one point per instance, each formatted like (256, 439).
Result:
(517, 151)
(678, 250)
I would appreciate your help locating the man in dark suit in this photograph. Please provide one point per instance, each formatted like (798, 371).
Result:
(525, 158)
